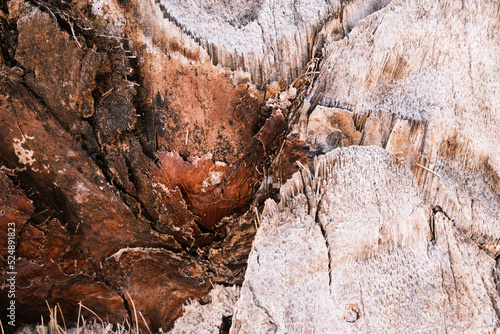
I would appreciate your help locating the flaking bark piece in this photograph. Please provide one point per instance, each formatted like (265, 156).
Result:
(273, 128)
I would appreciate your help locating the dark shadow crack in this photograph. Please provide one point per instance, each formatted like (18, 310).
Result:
(127, 306)
(314, 199)
(327, 243)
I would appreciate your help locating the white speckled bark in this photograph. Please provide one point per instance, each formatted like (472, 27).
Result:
(208, 318)
(370, 261)
(268, 38)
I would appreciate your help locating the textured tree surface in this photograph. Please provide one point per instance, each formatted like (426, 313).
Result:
(126, 165)
(140, 139)
(365, 254)
(400, 235)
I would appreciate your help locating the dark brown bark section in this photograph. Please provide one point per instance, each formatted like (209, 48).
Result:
(63, 264)
(67, 179)
(213, 190)
(49, 55)
(158, 282)
(115, 216)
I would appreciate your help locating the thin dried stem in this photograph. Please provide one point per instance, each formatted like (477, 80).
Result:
(429, 170)
(135, 313)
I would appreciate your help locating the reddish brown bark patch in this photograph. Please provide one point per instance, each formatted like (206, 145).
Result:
(48, 243)
(37, 283)
(64, 265)
(65, 179)
(272, 130)
(212, 190)
(157, 281)
(15, 210)
(190, 106)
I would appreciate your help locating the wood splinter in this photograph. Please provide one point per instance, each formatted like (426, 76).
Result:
(429, 170)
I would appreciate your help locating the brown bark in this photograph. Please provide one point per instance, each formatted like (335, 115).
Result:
(116, 215)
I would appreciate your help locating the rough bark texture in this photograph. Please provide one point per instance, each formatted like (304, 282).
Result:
(365, 254)
(402, 239)
(138, 139)
(136, 173)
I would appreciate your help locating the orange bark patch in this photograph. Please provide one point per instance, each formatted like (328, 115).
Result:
(212, 190)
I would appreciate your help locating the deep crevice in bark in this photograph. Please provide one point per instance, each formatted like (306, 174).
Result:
(327, 243)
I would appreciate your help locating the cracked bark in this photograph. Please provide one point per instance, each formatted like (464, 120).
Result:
(274, 326)
(143, 159)
(92, 146)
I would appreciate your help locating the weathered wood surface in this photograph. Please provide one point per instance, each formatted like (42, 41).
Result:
(397, 240)
(365, 254)
(142, 135)
(266, 38)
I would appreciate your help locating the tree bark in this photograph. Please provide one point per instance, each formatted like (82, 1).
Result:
(140, 140)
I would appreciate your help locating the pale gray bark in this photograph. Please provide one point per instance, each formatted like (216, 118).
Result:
(355, 250)
(406, 238)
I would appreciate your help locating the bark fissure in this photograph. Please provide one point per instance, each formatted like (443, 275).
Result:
(327, 243)
(258, 304)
